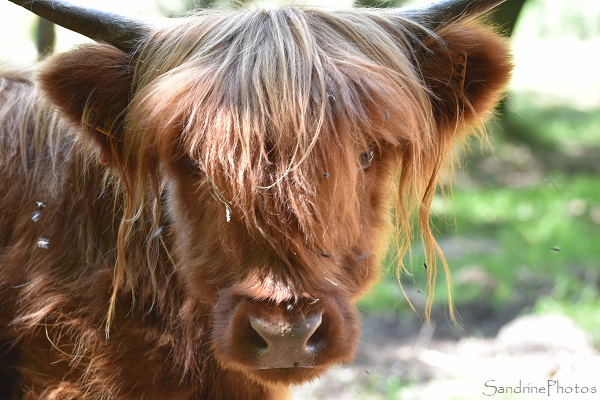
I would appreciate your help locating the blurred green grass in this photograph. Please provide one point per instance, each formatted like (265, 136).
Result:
(523, 225)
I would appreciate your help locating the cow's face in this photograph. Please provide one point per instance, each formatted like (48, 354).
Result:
(278, 143)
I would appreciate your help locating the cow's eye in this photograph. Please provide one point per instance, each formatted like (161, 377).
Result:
(366, 158)
(192, 164)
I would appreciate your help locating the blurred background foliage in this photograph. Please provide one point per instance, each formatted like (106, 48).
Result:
(521, 231)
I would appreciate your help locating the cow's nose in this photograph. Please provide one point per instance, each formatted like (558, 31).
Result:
(286, 341)
(287, 344)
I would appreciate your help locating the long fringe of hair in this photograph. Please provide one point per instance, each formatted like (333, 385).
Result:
(254, 95)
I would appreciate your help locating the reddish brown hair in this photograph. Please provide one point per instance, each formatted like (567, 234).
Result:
(262, 132)
(253, 160)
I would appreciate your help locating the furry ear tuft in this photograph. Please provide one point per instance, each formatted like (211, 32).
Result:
(91, 86)
(465, 91)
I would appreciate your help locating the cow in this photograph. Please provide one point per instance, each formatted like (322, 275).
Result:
(190, 208)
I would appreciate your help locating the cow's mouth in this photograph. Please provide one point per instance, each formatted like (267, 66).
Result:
(289, 376)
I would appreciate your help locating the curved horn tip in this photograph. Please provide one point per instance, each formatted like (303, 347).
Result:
(120, 31)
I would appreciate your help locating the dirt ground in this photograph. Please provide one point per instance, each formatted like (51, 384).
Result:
(513, 356)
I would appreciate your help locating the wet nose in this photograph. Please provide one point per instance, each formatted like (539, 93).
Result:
(287, 344)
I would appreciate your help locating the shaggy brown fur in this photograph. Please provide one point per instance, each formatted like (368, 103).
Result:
(248, 166)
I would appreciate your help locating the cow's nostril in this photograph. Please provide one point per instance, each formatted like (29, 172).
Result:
(318, 338)
(286, 344)
(256, 340)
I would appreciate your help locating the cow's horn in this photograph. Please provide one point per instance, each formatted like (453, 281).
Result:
(122, 32)
(441, 13)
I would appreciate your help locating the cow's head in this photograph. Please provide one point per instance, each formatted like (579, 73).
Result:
(278, 143)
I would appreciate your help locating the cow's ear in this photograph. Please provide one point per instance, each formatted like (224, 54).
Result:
(467, 67)
(91, 86)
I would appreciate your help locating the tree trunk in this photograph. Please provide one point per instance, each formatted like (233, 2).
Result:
(506, 15)
(46, 38)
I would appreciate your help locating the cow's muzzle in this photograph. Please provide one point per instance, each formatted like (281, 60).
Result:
(283, 342)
